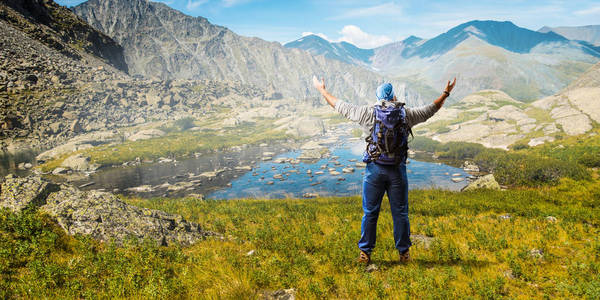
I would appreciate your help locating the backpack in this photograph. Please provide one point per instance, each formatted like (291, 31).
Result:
(387, 144)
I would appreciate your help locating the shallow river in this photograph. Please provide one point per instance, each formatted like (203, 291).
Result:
(244, 174)
(285, 180)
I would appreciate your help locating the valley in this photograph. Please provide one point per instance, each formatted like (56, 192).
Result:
(147, 153)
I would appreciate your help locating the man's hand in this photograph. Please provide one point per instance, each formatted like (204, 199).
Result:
(439, 102)
(319, 85)
(450, 86)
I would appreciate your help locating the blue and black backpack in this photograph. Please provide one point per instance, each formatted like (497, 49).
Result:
(387, 144)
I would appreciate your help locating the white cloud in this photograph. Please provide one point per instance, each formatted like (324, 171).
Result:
(385, 9)
(230, 3)
(590, 11)
(193, 5)
(321, 35)
(354, 35)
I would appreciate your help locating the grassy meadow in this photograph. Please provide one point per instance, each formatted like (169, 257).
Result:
(485, 245)
(539, 239)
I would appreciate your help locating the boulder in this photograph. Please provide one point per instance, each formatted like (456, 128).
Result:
(422, 239)
(470, 167)
(101, 215)
(146, 134)
(18, 193)
(313, 154)
(79, 162)
(286, 294)
(484, 182)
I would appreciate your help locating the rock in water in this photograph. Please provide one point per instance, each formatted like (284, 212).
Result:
(101, 215)
(485, 182)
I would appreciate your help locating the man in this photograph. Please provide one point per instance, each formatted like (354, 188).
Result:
(380, 178)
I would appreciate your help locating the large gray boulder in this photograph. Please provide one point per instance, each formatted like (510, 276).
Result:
(484, 182)
(100, 215)
(146, 134)
(79, 162)
(19, 193)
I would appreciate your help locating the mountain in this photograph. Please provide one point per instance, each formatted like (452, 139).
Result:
(61, 79)
(495, 119)
(342, 51)
(165, 43)
(523, 63)
(392, 54)
(589, 33)
(60, 29)
(491, 55)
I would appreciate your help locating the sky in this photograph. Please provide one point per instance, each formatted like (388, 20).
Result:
(369, 24)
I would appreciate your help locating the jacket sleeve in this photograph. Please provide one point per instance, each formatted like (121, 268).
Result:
(418, 115)
(362, 114)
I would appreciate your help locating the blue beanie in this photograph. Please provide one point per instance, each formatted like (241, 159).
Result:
(385, 92)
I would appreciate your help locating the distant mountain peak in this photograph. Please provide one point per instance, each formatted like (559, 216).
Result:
(587, 33)
(342, 51)
(411, 39)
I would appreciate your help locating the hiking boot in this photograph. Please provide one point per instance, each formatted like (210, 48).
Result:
(364, 257)
(404, 257)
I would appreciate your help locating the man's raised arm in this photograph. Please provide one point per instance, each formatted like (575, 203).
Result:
(320, 86)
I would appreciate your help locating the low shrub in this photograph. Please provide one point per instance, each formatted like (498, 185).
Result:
(528, 169)
(185, 123)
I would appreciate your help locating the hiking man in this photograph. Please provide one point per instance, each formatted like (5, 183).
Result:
(387, 126)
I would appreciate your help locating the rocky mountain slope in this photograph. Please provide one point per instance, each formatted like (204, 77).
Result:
(47, 97)
(58, 28)
(589, 33)
(164, 43)
(488, 55)
(495, 119)
(52, 91)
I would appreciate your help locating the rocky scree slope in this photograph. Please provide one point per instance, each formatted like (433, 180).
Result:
(162, 42)
(494, 119)
(58, 28)
(101, 215)
(48, 97)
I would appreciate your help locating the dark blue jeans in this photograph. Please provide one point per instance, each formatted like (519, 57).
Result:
(378, 180)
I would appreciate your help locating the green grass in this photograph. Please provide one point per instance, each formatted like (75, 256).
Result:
(528, 166)
(310, 245)
(179, 143)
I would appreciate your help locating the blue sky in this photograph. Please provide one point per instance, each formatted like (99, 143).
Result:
(370, 24)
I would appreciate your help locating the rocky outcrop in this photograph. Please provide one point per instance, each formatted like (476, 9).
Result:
(100, 215)
(484, 182)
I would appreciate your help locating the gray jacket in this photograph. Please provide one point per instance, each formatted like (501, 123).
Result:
(365, 117)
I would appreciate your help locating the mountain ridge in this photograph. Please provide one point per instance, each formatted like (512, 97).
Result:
(201, 50)
(60, 29)
(587, 33)
(489, 55)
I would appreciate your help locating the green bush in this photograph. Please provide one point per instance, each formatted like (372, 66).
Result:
(422, 143)
(185, 123)
(527, 169)
(519, 146)
(591, 160)
(461, 150)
